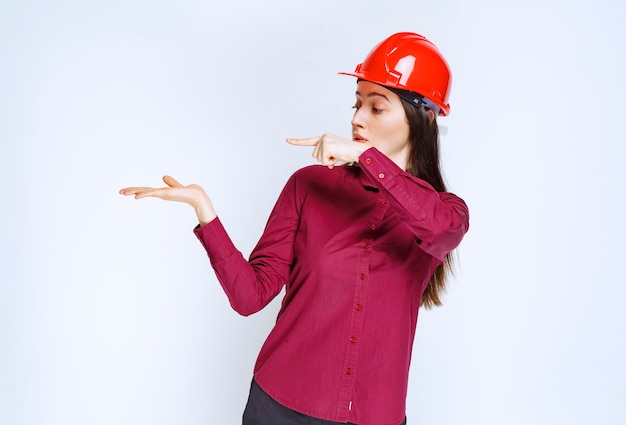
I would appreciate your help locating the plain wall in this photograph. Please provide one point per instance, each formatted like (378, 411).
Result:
(109, 310)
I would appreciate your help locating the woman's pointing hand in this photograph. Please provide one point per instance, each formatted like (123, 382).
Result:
(330, 150)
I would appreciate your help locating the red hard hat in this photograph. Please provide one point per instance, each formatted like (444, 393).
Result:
(408, 61)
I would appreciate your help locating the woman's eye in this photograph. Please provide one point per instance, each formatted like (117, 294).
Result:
(377, 110)
(356, 107)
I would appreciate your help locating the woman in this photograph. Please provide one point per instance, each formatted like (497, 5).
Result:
(359, 247)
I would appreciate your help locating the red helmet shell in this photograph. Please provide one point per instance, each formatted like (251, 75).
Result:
(408, 61)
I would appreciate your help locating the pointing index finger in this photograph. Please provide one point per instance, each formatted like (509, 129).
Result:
(311, 141)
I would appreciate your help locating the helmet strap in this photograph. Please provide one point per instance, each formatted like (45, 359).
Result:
(415, 99)
(412, 97)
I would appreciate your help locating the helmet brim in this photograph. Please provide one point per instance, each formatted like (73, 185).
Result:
(444, 110)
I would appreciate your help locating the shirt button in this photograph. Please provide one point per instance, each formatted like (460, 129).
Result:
(373, 226)
(352, 339)
(348, 371)
(381, 176)
(367, 245)
(362, 276)
(381, 201)
(368, 160)
(358, 307)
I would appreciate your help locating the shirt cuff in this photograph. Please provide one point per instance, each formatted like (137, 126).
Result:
(378, 166)
(215, 240)
(384, 173)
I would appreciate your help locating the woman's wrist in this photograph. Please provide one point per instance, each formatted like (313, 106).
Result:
(204, 209)
(363, 148)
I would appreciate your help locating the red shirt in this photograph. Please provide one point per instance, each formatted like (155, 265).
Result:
(355, 247)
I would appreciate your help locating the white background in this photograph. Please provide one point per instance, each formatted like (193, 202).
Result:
(109, 311)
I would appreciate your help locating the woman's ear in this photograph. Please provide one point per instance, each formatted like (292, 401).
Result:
(431, 116)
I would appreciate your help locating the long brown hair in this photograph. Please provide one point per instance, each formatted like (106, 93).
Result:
(424, 163)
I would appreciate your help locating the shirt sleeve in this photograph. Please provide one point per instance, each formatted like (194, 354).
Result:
(439, 220)
(251, 284)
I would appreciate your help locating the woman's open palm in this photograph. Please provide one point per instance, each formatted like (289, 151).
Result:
(192, 194)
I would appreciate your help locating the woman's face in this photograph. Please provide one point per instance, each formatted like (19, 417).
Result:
(379, 120)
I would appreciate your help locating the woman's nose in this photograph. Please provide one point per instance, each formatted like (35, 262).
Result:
(357, 119)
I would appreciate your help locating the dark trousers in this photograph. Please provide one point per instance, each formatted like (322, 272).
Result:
(261, 409)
